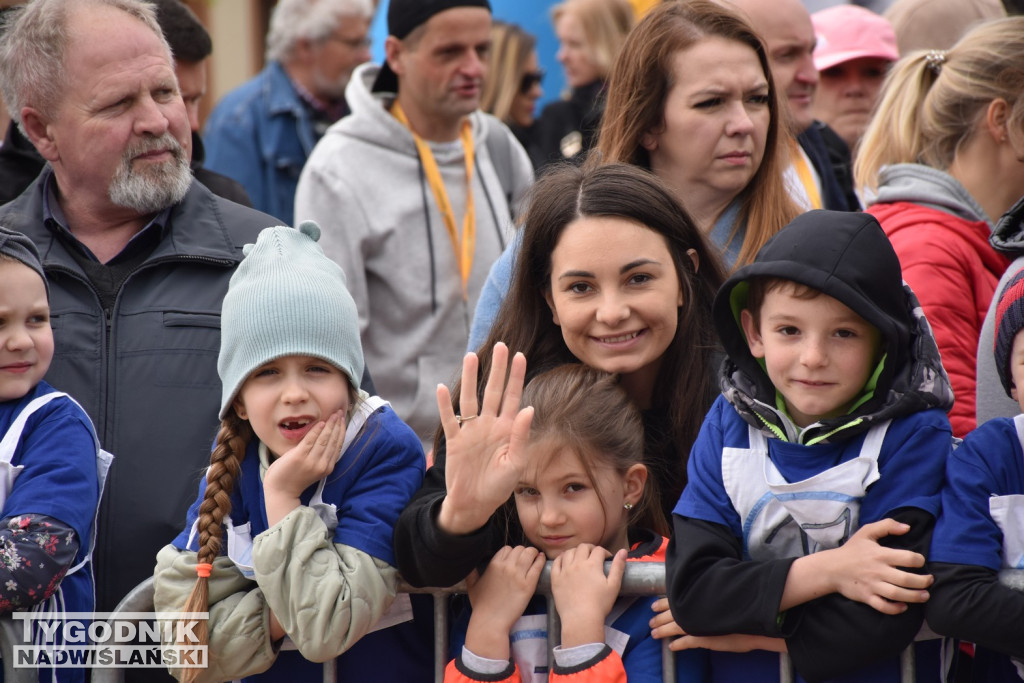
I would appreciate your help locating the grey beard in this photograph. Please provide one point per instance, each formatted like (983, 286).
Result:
(155, 190)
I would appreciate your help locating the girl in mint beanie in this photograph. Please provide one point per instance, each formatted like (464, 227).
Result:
(288, 546)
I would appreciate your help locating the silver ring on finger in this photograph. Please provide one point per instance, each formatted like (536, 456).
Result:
(460, 419)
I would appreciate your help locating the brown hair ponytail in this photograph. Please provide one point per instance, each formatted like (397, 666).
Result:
(225, 466)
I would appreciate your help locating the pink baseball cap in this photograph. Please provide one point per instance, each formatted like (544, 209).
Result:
(848, 32)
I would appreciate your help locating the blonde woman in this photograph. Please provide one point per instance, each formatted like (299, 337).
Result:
(513, 85)
(590, 34)
(942, 160)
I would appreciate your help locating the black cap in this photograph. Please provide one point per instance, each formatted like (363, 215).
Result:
(404, 16)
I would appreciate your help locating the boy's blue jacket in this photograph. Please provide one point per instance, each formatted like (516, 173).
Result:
(970, 547)
(714, 585)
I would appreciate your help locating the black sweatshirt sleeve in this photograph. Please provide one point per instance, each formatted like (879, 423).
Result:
(969, 603)
(836, 635)
(425, 554)
(712, 591)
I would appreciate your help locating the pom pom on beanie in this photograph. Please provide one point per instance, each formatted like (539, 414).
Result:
(286, 299)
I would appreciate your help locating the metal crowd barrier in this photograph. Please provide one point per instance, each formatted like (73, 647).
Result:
(640, 579)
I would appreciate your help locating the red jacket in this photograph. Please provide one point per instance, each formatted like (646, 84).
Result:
(953, 269)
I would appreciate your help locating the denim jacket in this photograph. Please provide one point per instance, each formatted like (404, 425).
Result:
(261, 134)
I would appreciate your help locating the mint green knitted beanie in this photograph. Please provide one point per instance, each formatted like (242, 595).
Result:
(286, 299)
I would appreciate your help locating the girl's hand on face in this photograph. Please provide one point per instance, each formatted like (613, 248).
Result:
(584, 596)
(485, 450)
(499, 598)
(310, 461)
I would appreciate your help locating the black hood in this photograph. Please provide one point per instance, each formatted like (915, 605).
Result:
(1008, 235)
(847, 256)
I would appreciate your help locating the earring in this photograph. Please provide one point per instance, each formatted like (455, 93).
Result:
(628, 506)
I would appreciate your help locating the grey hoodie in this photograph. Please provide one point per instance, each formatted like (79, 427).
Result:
(929, 187)
(364, 185)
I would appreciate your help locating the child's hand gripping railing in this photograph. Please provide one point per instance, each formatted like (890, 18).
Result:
(640, 579)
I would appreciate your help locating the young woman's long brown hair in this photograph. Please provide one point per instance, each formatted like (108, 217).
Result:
(639, 85)
(686, 387)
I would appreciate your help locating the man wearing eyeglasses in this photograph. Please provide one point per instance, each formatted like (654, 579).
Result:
(261, 133)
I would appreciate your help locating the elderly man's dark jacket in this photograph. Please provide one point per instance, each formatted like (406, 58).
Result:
(147, 374)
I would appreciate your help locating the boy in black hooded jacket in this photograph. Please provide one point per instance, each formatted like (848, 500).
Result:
(814, 484)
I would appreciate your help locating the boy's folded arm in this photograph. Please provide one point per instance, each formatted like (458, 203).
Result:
(40, 550)
(836, 635)
(969, 602)
(713, 591)
(918, 538)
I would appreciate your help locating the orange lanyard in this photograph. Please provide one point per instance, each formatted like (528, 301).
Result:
(463, 245)
(803, 170)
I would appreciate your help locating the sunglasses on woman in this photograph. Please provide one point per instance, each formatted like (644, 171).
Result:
(530, 79)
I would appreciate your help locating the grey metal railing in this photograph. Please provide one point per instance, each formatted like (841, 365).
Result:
(11, 634)
(640, 579)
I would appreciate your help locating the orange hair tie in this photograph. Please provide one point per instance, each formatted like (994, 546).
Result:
(203, 569)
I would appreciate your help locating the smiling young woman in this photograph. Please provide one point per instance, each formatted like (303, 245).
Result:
(620, 280)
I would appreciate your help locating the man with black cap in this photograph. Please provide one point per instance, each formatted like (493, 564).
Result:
(414, 191)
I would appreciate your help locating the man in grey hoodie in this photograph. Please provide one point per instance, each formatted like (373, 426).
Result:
(414, 192)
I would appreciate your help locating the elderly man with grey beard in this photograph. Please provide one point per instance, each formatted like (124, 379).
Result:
(137, 255)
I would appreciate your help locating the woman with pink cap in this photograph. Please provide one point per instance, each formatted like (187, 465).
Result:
(854, 51)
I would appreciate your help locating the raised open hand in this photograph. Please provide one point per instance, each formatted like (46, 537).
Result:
(485, 449)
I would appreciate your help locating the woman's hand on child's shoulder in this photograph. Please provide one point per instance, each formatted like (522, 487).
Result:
(310, 461)
(499, 598)
(584, 596)
(485, 449)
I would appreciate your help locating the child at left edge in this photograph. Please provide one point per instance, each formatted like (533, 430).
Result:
(981, 528)
(288, 545)
(815, 481)
(48, 457)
